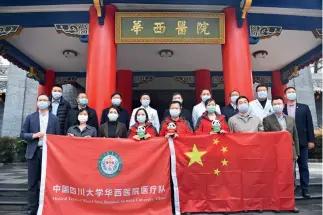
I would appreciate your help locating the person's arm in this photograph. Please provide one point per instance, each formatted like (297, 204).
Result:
(153, 132)
(101, 131)
(163, 129)
(231, 125)
(266, 124)
(194, 116)
(156, 120)
(260, 126)
(66, 124)
(190, 131)
(95, 122)
(124, 132)
(309, 125)
(25, 132)
(103, 117)
(127, 118)
(199, 127)
(218, 109)
(132, 120)
(188, 117)
(131, 133)
(224, 125)
(57, 126)
(295, 138)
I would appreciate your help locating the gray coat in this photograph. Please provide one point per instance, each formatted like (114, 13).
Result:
(271, 124)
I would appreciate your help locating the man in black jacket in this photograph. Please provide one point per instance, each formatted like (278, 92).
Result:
(305, 130)
(185, 114)
(59, 106)
(231, 109)
(72, 115)
(116, 100)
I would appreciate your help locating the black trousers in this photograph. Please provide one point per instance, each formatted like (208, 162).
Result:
(34, 175)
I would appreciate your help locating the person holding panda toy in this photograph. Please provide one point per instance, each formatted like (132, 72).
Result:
(211, 122)
(142, 129)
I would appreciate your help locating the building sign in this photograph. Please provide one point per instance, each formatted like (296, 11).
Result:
(169, 27)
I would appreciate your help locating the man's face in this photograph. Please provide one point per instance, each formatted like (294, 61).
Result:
(278, 102)
(291, 90)
(57, 89)
(116, 97)
(82, 96)
(177, 98)
(235, 93)
(43, 98)
(263, 89)
(205, 93)
(145, 97)
(242, 101)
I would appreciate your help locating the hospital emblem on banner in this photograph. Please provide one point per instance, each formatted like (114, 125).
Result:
(110, 164)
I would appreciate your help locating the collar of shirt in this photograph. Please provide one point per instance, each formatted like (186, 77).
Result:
(280, 117)
(243, 116)
(148, 107)
(233, 106)
(58, 101)
(43, 114)
(78, 128)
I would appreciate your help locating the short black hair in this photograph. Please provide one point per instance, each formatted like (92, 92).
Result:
(208, 101)
(113, 107)
(139, 109)
(175, 102)
(80, 111)
(177, 93)
(42, 95)
(58, 85)
(261, 85)
(207, 90)
(277, 98)
(144, 94)
(234, 91)
(116, 93)
(241, 97)
(288, 89)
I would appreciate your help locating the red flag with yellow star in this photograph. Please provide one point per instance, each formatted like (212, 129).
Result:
(235, 172)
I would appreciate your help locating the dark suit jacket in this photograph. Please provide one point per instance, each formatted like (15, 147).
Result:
(121, 130)
(304, 124)
(63, 108)
(32, 126)
(228, 111)
(185, 114)
(271, 123)
(72, 115)
(123, 116)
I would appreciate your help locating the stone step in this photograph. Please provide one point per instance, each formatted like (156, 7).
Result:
(13, 192)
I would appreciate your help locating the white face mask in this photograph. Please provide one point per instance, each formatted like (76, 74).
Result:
(82, 118)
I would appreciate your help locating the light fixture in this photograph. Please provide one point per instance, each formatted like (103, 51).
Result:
(260, 54)
(69, 53)
(166, 53)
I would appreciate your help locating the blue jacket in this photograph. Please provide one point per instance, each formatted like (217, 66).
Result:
(304, 124)
(32, 126)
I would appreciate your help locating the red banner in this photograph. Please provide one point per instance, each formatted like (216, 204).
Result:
(235, 172)
(105, 176)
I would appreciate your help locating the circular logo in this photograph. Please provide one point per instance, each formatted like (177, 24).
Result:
(110, 164)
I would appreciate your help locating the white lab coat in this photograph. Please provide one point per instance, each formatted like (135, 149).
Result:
(152, 116)
(256, 109)
(199, 109)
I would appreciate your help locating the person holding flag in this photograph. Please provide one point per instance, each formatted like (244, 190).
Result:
(82, 129)
(142, 129)
(211, 122)
(113, 128)
(174, 125)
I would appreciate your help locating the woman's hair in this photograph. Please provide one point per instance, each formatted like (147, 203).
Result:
(208, 101)
(80, 111)
(139, 109)
(175, 102)
(113, 107)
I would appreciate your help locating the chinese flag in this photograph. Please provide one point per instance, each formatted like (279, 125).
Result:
(87, 176)
(235, 172)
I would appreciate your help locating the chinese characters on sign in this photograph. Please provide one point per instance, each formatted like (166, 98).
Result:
(170, 28)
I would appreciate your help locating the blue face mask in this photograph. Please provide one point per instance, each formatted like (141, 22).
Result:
(174, 112)
(291, 96)
(83, 101)
(234, 99)
(243, 108)
(116, 101)
(57, 95)
(42, 105)
(145, 102)
(278, 108)
(204, 98)
(211, 109)
(141, 119)
(262, 94)
(113, 117)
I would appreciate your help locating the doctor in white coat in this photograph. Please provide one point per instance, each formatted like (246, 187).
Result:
(200, 108)
(152, 113)
(261, 107)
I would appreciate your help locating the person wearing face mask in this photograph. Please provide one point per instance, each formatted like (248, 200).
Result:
(72, 115)
(82, 129)
(116, 100)
(244, 121)
(59, 106)
(34, 131)
(142, 120)
(261, 107)
(183, 127)
(305, 130)
(185, 114)
(231, 109)
(200, 108)
(113, 128)
(204, 124)
(152, 113)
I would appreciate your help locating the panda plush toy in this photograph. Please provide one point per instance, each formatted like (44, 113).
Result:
(216, 125)
(171, 128)
(141, 131)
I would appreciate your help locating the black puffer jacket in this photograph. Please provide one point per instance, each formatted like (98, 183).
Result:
(63, 108)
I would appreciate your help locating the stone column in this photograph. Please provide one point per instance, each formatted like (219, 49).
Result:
(70, 94)
(13, 111)
(30, 98)
(304, 90)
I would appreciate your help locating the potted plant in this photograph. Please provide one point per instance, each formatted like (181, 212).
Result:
(316, 153)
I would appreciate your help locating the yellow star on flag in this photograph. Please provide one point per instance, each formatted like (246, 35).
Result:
(216, 141)
(224, 149)
(195, 156)
(225, 162)
(217, 171)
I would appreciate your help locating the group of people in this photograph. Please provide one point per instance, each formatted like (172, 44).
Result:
(55, 116)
